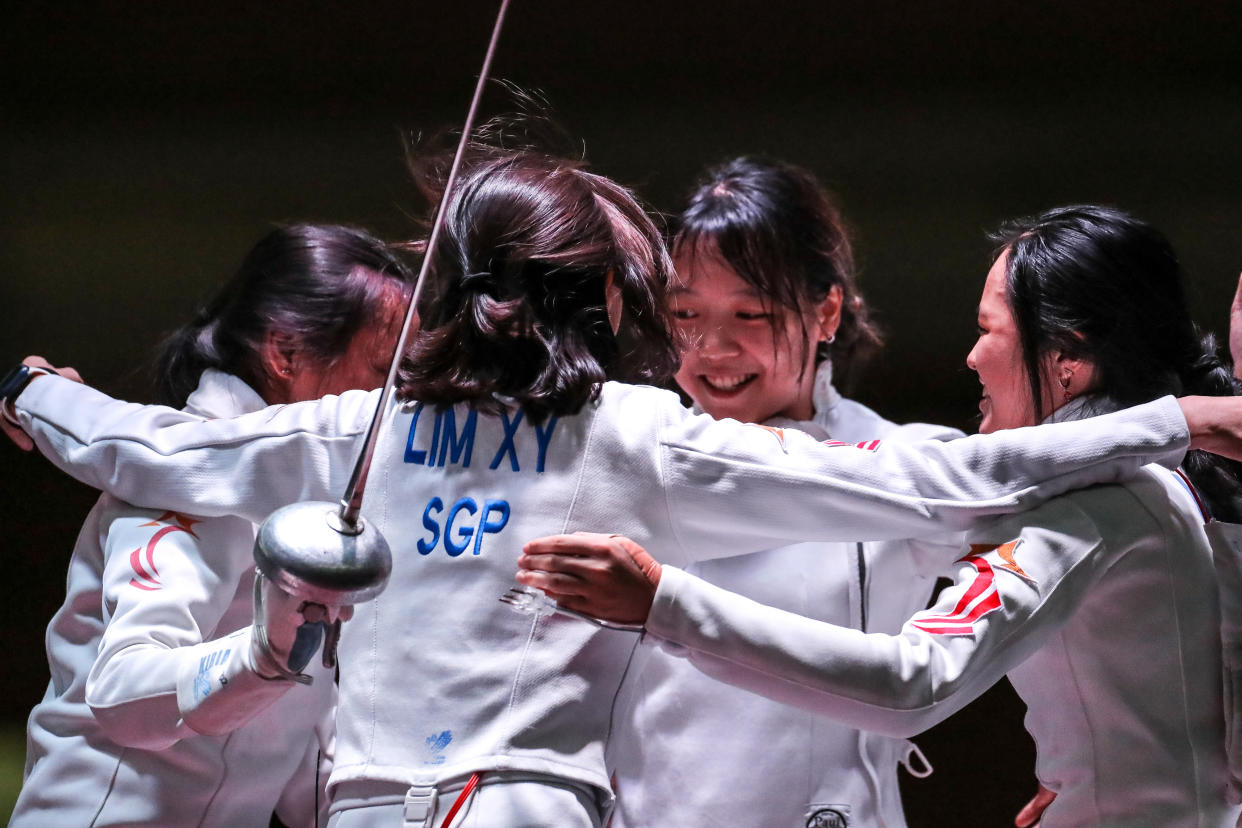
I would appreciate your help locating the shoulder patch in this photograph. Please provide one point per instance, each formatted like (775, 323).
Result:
(865, 445)
(981, 598)
(142, 559)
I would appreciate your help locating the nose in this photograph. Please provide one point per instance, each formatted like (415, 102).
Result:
(971, 360)
(717, 341)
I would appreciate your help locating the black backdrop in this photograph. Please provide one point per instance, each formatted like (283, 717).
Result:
(147, 145)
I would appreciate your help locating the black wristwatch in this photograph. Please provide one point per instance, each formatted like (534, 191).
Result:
(15, 381)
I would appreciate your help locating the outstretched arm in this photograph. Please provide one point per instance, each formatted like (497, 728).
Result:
(164, 458)
(895, 684)
(784, 487)
(252, 465)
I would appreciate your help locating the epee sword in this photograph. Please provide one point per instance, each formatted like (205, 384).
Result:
(325, 553)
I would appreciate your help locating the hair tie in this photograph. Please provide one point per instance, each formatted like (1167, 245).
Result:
(481, 280)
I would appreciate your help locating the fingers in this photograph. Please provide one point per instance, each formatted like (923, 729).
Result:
(583, 544)
(559, 563)
(1031, 813)
(36, 361)
(20, 438)
(71, 373)
(555, 585)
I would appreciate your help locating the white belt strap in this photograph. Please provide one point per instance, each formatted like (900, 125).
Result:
(420, 806)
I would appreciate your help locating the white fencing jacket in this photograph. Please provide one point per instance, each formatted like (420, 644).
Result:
(1100, 605)
(438, 678)
(107, 746)
(690, 750)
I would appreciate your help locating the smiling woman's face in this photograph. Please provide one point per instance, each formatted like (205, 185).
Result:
(742, 358)
(997, 358)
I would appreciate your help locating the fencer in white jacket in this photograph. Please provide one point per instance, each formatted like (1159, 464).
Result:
(150, 594)
(689, 750)
(438, 679)
(1101, 608)
(1102, 605)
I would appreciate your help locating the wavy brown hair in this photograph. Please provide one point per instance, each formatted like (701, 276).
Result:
(517, 298)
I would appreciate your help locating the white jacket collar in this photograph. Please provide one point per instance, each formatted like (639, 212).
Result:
(222, 395)
(1080, 408)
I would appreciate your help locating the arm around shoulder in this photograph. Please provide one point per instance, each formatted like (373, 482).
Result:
(989, 621)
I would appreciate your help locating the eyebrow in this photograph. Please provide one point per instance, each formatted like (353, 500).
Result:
(746, 292)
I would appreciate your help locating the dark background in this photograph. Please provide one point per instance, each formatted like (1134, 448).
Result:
(146, 145)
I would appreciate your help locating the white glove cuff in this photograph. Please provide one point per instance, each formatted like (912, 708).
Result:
(218, 686)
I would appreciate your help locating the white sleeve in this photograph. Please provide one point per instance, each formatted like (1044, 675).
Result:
(161, 457)
(782, 486)
(168, 580)
(988, 622)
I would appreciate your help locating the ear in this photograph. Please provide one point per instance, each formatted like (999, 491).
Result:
(1070, 374)
(279, 359)
(828, 314)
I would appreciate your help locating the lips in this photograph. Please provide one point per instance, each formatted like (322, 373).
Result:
(727, 383)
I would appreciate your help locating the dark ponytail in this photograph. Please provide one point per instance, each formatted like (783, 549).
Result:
(1097, 284)
(1218, 479)
(318, 285)
(519, 315)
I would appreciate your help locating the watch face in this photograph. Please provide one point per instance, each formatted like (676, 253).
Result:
(14, 381)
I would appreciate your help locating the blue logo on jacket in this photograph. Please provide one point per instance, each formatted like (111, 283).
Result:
(437, 743)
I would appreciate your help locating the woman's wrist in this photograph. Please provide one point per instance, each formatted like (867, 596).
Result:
(1215, 424)
(13, 384)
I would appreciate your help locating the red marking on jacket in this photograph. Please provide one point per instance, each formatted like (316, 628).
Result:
(148, 577)
(865, 445)
(1203, 510)
(981, 598)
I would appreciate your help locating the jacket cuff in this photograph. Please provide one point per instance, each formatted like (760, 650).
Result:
(218, 689)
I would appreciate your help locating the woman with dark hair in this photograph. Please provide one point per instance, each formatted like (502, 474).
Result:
(505, 426)
(151, 593)
(1101, 605)
(766, 299)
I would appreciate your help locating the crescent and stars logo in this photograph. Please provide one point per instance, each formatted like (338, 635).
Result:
(142, 559)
